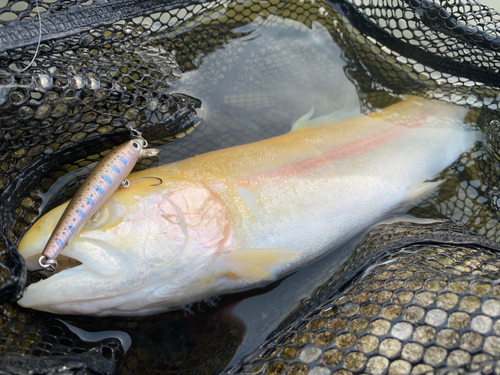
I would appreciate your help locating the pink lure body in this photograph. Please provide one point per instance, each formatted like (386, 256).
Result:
(101, 183)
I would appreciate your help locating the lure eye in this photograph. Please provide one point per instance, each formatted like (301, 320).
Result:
(136, 145)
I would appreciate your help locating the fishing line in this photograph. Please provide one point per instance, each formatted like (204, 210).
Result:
(133, 131)
(130, 128)
(39, 38)
(103, 113)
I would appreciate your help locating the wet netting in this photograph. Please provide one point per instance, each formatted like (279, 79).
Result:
(76, 76)
(430, 302)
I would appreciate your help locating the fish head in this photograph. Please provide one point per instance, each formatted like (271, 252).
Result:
(147, 249)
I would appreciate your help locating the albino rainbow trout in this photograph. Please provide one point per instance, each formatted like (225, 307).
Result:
(245, 216)
(104, 179)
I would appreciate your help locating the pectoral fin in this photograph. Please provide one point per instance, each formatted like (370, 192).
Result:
(255, 264)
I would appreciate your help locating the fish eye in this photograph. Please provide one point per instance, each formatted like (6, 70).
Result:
(99, 218)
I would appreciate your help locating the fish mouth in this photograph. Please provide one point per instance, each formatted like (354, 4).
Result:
(87, 280)
(65, 262)
(89, 254)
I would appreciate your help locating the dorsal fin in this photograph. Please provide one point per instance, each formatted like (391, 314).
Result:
(305, 121)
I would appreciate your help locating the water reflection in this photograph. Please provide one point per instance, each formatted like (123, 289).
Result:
(123, 337)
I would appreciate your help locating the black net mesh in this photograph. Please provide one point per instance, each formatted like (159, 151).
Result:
(103, 67)
(451, 47)
(71, 25)
(36, 344)
(430, 302)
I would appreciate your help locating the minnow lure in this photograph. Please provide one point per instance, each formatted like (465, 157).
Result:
(108, 175)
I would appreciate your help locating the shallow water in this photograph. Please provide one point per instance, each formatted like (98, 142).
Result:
(266, 74)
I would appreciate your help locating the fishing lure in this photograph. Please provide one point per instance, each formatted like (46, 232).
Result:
(108, 175)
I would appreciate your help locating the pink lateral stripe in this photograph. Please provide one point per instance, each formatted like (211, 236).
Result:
(344, 151)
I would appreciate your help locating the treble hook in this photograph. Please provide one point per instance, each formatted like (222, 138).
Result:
(134, 133)
(126, 183)
(36, 276)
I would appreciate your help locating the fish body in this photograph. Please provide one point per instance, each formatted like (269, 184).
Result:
(104, 179)
(245, 216)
